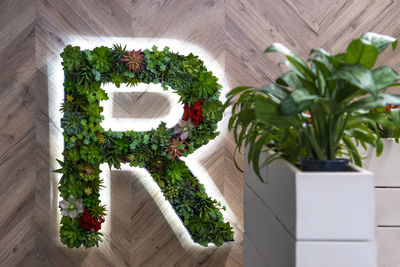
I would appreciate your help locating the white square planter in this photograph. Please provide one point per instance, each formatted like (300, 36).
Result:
(386, 169)
(310, 218)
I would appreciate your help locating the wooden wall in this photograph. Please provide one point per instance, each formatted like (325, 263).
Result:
(235, 32)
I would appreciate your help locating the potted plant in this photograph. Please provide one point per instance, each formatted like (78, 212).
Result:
(318, 208)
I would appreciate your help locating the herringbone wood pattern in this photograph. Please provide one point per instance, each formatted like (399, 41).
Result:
(233, 31)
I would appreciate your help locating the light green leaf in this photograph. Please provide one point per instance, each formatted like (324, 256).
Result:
(378, 40)
(384, 77)
(360, 53)
(274, 90)
(290, 79)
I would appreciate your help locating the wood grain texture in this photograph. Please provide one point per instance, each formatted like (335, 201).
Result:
(235, 32)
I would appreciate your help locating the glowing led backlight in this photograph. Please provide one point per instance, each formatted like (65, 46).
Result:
(56, 93)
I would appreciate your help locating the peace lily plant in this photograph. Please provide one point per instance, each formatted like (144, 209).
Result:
(320, 108)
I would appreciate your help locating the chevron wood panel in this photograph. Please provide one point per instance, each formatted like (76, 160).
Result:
(235, 32)
(139, 233)
(17, 134)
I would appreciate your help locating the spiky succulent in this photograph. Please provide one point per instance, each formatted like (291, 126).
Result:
(133, 60)
(176, 148)
(118, 51)
(72, 122)
(141, 155)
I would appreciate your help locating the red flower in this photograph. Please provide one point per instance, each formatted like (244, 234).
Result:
(88, 222)
(194, 112)
(186, 112)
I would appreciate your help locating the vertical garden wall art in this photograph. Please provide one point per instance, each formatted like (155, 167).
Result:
(87, 144)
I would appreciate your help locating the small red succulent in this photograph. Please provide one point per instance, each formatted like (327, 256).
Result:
(88, 222)
(194, 112)
(176, 148)
(134, 60)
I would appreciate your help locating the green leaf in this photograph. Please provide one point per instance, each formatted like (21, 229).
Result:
(295, 60)
(379, 147)
(267, 111)
(274, 90)
(360, 53)
(300, 95)
(384, 77)
(289, 107)
(238, 90)
(358, 76)
(290, 79)
(378, 40)
(371, 102)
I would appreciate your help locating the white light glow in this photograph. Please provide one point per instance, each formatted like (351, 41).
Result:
(56, 93)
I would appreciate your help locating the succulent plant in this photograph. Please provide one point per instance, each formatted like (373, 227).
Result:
(92, 153)
(171, 192)
(89, 172)
(71, 207)
(100, 137)
(176, 148)
(157, 165)
(184, 128)
(71, 123)
(133, 60)
(118, 51)
(102, 58)
(72, 58)
(141, 155)
(88, 190)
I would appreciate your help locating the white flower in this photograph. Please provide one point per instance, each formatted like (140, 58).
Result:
(71, 207)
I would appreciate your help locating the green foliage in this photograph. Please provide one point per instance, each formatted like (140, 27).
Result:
(157, 62)
(91, 239)
(72, 58)
(87, 145)
(170, 192)
(117, 79)
(102, 59)
(71, 234)
(118, 52)
(318, 106)
(176, 172)
(92, 153)
(206, 85)
(84, 77)
(141, 155)
(203, 133)
(212, 110)
(72, 122)
(159, 138)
